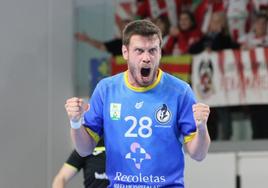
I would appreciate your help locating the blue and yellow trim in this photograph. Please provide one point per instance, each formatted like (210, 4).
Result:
(94, 135)
(143, 89)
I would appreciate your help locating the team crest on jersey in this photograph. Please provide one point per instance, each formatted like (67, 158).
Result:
(115, 111)
(163, 115)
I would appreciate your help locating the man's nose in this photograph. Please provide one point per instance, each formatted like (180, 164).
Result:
(146, 57)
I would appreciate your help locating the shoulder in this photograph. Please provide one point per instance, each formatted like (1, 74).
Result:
(111, 80)
(174, 82)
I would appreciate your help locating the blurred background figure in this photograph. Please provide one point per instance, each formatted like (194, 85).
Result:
(216, 38)
(113, 46)
(167, 8)
(183, 36)
(257, 37)
(260, 6)
(93, 169)
(238, 15)
(163, 23)
(204, 11)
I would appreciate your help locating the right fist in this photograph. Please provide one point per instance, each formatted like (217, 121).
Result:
(75, 108)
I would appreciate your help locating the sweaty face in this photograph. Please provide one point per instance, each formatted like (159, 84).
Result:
(143, 55)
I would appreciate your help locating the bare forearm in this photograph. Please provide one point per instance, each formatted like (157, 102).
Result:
(199, 146)
(58, 183)
(83, 142)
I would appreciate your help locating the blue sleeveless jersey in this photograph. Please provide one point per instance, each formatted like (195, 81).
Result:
(144, 130)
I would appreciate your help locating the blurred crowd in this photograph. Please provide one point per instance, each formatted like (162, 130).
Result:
(208, 24)
(194, 26)
(214, 25)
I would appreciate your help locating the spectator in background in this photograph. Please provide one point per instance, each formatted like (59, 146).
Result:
(204, 11)
(238, 16)
(114, 46)
(93, 168)
(217, 38)
(260, 6)
(182, 37)
(163, 23)
(238, 13)
(257, 37)
(167, 8)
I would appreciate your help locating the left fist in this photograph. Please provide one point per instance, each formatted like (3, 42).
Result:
(201, 113)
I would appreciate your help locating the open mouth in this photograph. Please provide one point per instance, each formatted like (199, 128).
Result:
(145, 72)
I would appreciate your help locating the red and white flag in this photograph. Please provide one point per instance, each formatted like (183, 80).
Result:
(231, 77)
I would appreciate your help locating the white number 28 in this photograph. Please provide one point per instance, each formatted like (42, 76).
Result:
(144, 129)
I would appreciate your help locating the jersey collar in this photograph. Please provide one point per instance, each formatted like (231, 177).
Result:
(143, 89)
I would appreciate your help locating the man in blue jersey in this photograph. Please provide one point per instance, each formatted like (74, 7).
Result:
(144, 115)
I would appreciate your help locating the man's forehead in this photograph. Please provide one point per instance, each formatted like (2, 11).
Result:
(139, 39)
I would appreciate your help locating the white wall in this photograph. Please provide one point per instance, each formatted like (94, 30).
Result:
(35, 79)
(253, 169)
(220, 170)
(217, 170)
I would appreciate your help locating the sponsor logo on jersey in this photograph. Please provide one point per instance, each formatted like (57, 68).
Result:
(115, 111)
(139, 105)
(137, 154)
(163, 115)
(139, 178)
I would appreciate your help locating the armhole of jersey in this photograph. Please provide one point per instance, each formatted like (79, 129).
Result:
(94, 135)
(189, 137)
(70, 166)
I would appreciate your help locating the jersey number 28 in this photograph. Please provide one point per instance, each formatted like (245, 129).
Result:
(144, 129)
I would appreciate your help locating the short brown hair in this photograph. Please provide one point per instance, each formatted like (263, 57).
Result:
(140, 27)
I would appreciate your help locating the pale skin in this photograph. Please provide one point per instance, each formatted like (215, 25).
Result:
(64, 176)
(142, 52)
(83, 37)
(83, 142)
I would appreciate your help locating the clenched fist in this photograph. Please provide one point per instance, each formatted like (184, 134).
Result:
(201, 113)
(75, 108)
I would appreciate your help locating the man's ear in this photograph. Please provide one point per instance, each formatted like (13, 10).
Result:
(125, 52)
